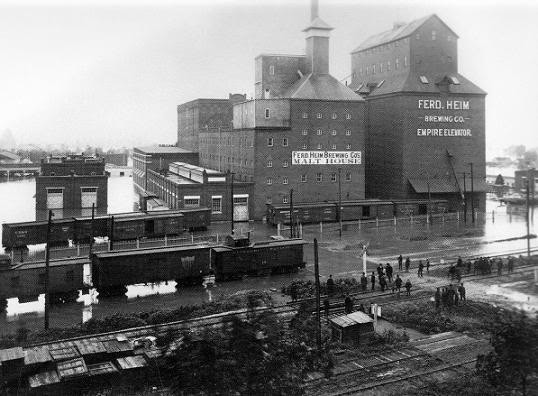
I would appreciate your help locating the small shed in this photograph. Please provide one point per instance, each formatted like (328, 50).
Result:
(116, 348)
(353, 328)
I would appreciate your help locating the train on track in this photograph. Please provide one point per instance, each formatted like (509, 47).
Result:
(305, 213)
(112, 271)
(123, 226)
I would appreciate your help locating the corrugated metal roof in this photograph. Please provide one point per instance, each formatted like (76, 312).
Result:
(72, 368)
(397, 33)
(89, 347)
(43, 379)
(37, 355)
(102, 368)
(11, 354)
(351, 319)
(131, 362)
(320, 87)
(443, 186)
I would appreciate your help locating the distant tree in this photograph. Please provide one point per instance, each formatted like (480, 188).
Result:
(513, 361)
(516, 151)
(499, 181)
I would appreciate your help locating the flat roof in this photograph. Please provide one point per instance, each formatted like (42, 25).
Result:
(156, 149)
(180, 180)
(198, 168)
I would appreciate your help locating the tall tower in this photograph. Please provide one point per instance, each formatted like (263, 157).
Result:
(317, 42)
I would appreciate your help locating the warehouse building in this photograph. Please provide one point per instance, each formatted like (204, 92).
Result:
(71, 185)
(426, 122)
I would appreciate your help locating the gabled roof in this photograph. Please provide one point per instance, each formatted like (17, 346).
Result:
(322, 87)
(318, 23)
(410, 82)
(397, 33)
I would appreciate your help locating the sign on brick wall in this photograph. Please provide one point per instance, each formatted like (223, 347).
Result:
(326, 158)
(436, 122)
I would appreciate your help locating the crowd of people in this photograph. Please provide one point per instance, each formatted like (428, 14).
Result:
(449, 296)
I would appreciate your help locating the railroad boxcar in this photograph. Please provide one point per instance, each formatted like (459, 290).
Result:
(83, 227)
(419, 207)
(302, 213)
(35, 232)
(28, 279)
(127, 267)
(196, 218)
(261, 258)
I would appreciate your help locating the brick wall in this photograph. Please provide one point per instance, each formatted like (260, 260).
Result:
(72, 192)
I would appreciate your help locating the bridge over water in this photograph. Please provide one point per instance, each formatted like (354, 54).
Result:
(10, 169)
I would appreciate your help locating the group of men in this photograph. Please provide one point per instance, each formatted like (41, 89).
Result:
(449, 296)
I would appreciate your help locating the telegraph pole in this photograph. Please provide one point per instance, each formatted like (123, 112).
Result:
(291, 214)
(232, 200)
(472, 192)
(318, 298)
(340, 200)
(91, 232)
(464, 199)
(528, 218)
(47, 271)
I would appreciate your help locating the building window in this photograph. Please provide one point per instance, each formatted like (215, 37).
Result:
(373, 69)
(388, 65)
(449, 59)
(191, 201)
(305, 132)
(284, 180)
(267, 93)
(320, 115)
(269, 180)
(424, 80)
(285, 142)
(285, 164)
(272, 70)
(333, 177)
(303, 178)
(397, 63)
(319, 177)
(334, 115)
(381, 67)
(305, 146)
(333, 146)
(267, 113)
(405, 61)
(348, 176)
(216, 204)
(434, 35)
(285, 200)
(319, 131)
(268, 199)
(348, 116)
(417, 36)
(320, 146)
(348, 132)
(305, 115)
(348, 146)
(270, 142)
(269, 164)
(333, 132)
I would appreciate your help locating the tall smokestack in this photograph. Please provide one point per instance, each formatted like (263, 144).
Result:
(314, 9)
(317, 42)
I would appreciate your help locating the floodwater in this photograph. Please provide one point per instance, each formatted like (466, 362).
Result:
(441, 240)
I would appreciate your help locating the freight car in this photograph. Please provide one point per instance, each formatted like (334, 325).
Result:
(121, 226)
(27, 280)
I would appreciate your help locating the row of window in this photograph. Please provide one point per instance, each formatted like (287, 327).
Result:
(389, 46)
(271, 141)
(227, 141)
(304, 178)
(320, 146)
(228, 160)
(305, 115)
(333, 132)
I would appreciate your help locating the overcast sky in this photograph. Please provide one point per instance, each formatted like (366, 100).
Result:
(111, 74)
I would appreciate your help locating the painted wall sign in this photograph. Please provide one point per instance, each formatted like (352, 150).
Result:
(326, 157)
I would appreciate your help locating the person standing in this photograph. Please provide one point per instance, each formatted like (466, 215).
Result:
(388, 271)
(408, 287)
(461, 291)
(510, 264)
(398, 282)
(420, 269)
(372, 279)
(348, 304)
(380, 270)
(364, 282)
(437, 298)
(427, 266)
(382, 283)
(407, 264)
(400, 262)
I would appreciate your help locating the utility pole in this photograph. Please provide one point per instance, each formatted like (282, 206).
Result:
(291, 214)
(232, 199)
(316, 274)
(91, 232)
(528, 218)
(340, 200)
(47, 271)
(464, 199)
(472, 192)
